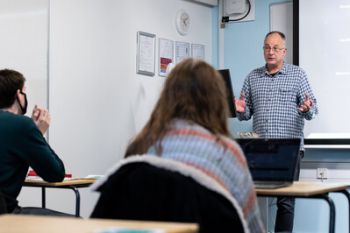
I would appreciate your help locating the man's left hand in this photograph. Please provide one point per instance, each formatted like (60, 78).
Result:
(306, 105)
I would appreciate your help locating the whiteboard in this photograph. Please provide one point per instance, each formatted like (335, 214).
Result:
(24, 45)
(324, 48)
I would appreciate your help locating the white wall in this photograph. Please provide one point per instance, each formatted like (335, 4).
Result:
(96, 99)
(24, 44)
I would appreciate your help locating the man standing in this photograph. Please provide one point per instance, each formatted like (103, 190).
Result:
(279, 98)
(22, 144)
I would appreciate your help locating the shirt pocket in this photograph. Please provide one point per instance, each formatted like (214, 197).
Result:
(287, 95)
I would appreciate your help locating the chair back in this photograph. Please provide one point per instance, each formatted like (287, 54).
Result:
(142, 190)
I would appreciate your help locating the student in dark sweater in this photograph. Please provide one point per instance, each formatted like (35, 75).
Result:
(22, 144)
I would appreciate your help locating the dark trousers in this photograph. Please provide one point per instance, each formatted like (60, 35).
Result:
(285, 206)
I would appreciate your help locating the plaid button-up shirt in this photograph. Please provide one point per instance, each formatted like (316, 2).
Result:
(273, 100)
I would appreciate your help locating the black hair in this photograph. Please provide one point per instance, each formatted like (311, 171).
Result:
(10, 82)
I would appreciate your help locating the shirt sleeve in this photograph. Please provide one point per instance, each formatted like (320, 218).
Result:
(37, 153)
(246, 92)
(305, 89)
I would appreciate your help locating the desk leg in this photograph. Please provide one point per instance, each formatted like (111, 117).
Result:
(43, 197)
(331, 212)
(77, 201)
(347, 195)
(324, 197)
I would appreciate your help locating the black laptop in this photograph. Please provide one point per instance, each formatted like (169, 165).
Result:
(272, 162)
(225, 74)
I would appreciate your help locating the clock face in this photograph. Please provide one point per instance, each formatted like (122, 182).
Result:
(183, 22)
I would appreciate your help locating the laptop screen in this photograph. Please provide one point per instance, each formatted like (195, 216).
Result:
(271, 159)
(230, 96)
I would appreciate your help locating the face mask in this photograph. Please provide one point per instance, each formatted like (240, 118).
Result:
(23, 108)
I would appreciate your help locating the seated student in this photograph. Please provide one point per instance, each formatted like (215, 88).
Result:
(22, 144)
(189, 124)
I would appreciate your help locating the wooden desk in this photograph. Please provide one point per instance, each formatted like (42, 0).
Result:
(40, 224)
(304, 189)
(72, 184)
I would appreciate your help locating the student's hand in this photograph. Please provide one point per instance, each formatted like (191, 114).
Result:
(240, 103)
(306, 105)
(41, 118)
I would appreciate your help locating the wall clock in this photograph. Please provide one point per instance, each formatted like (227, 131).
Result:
(183, 22)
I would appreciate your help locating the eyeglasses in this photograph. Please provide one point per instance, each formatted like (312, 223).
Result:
(275, 49)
